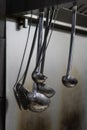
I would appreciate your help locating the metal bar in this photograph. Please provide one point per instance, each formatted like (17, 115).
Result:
(23, 6)
(2, 63)
(65, 24)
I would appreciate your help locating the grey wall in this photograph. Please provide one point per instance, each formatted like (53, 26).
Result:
(68, 108)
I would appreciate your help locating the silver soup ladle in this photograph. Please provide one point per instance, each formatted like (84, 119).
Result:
(68, 80)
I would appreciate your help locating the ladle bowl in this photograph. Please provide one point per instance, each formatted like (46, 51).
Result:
(69, 82)
(38, 102)
(47, 91)
(34, 101)
(38, 77)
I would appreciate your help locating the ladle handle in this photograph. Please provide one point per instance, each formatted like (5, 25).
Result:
(44, 49)
(30, 55)
(74, 10)
(40, 35)
(41, 51)
(39, 45)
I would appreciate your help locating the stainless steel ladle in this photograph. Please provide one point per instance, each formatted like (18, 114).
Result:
(38, 76)
(68, 80)
(41, 102)
(34, 101)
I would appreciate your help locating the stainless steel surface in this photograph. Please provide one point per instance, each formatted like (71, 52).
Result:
(68, 109)
(68, 80)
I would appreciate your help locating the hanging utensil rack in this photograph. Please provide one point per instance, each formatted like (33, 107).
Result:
(16, 10)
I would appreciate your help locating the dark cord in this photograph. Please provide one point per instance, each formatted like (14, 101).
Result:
(44, 50)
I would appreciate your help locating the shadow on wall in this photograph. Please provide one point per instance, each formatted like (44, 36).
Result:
(34, 121)
(72, 111)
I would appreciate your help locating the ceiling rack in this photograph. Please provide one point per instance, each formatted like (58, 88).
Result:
(19, 8)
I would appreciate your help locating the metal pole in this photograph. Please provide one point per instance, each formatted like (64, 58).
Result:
(2, 63)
